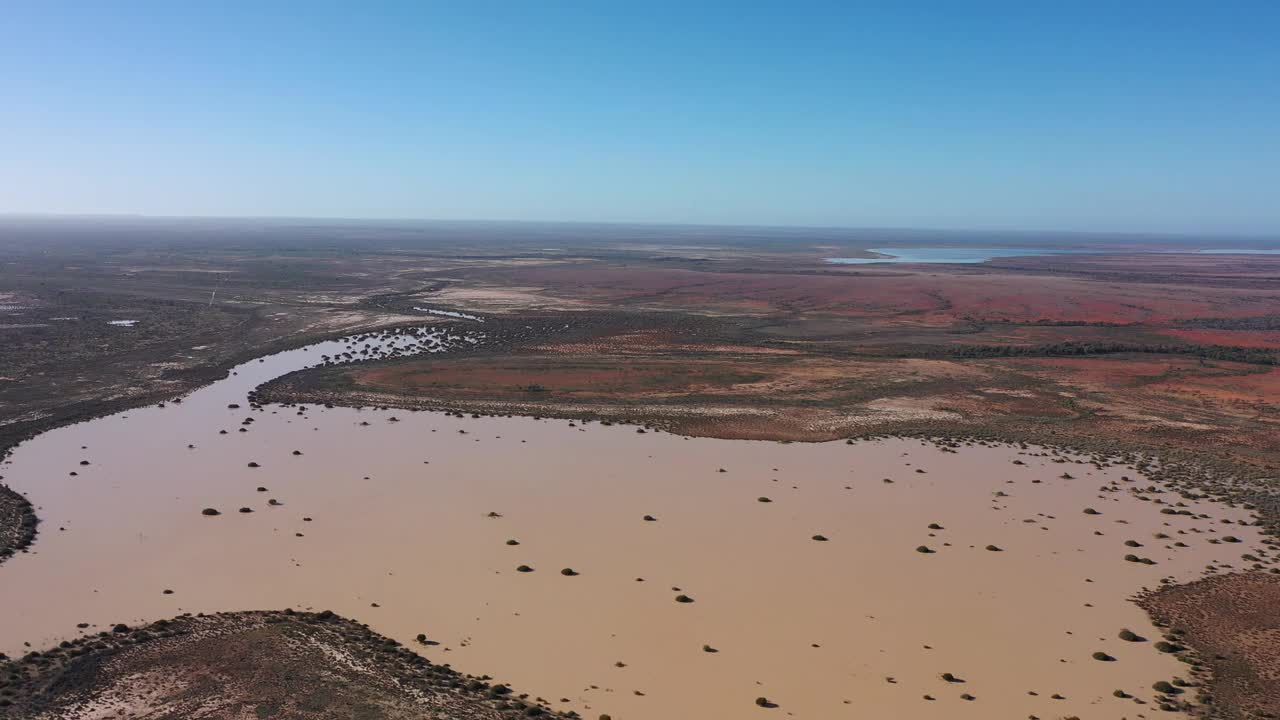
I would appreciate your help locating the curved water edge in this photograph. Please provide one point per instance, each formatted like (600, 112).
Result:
(403, 521)
(25, 526)
(20, 521)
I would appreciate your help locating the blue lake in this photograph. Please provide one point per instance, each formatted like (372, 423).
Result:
(949, 254)
(983, 254)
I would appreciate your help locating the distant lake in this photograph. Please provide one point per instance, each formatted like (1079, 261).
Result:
(949, 255)
(983, 254)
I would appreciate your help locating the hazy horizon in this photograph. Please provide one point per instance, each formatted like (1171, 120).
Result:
(570, 232)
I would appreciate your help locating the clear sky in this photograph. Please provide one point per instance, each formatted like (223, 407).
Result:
(1124, 115)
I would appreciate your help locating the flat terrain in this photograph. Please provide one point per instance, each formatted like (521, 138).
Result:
(1166, 363)
(716, 380)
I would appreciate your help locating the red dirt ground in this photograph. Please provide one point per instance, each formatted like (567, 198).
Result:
(1261, 388)
(585, 378)
(1239, 338)
(940, 296)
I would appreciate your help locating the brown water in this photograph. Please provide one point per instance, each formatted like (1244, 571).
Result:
(859, 626)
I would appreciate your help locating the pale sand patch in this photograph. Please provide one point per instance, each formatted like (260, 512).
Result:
(503, 300)
(1166, 422)
(1010, 393)
(908, 408)
(138, 694)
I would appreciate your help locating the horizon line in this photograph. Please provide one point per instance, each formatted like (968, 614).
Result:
(5, 215)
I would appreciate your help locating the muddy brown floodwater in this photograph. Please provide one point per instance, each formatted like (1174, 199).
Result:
(405, 523)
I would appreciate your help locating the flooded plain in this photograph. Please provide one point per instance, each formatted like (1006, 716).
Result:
(607, 570)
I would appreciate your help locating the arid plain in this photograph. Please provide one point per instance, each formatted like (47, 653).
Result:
(638, 472)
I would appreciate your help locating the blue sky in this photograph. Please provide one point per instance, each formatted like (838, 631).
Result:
(1127, 116)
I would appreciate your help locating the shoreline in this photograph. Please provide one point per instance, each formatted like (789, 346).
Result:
(264, 394)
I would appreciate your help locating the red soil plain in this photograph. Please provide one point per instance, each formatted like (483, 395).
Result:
(926, 294)
(1173, 349)
(1125, 357)
(1175, 356)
